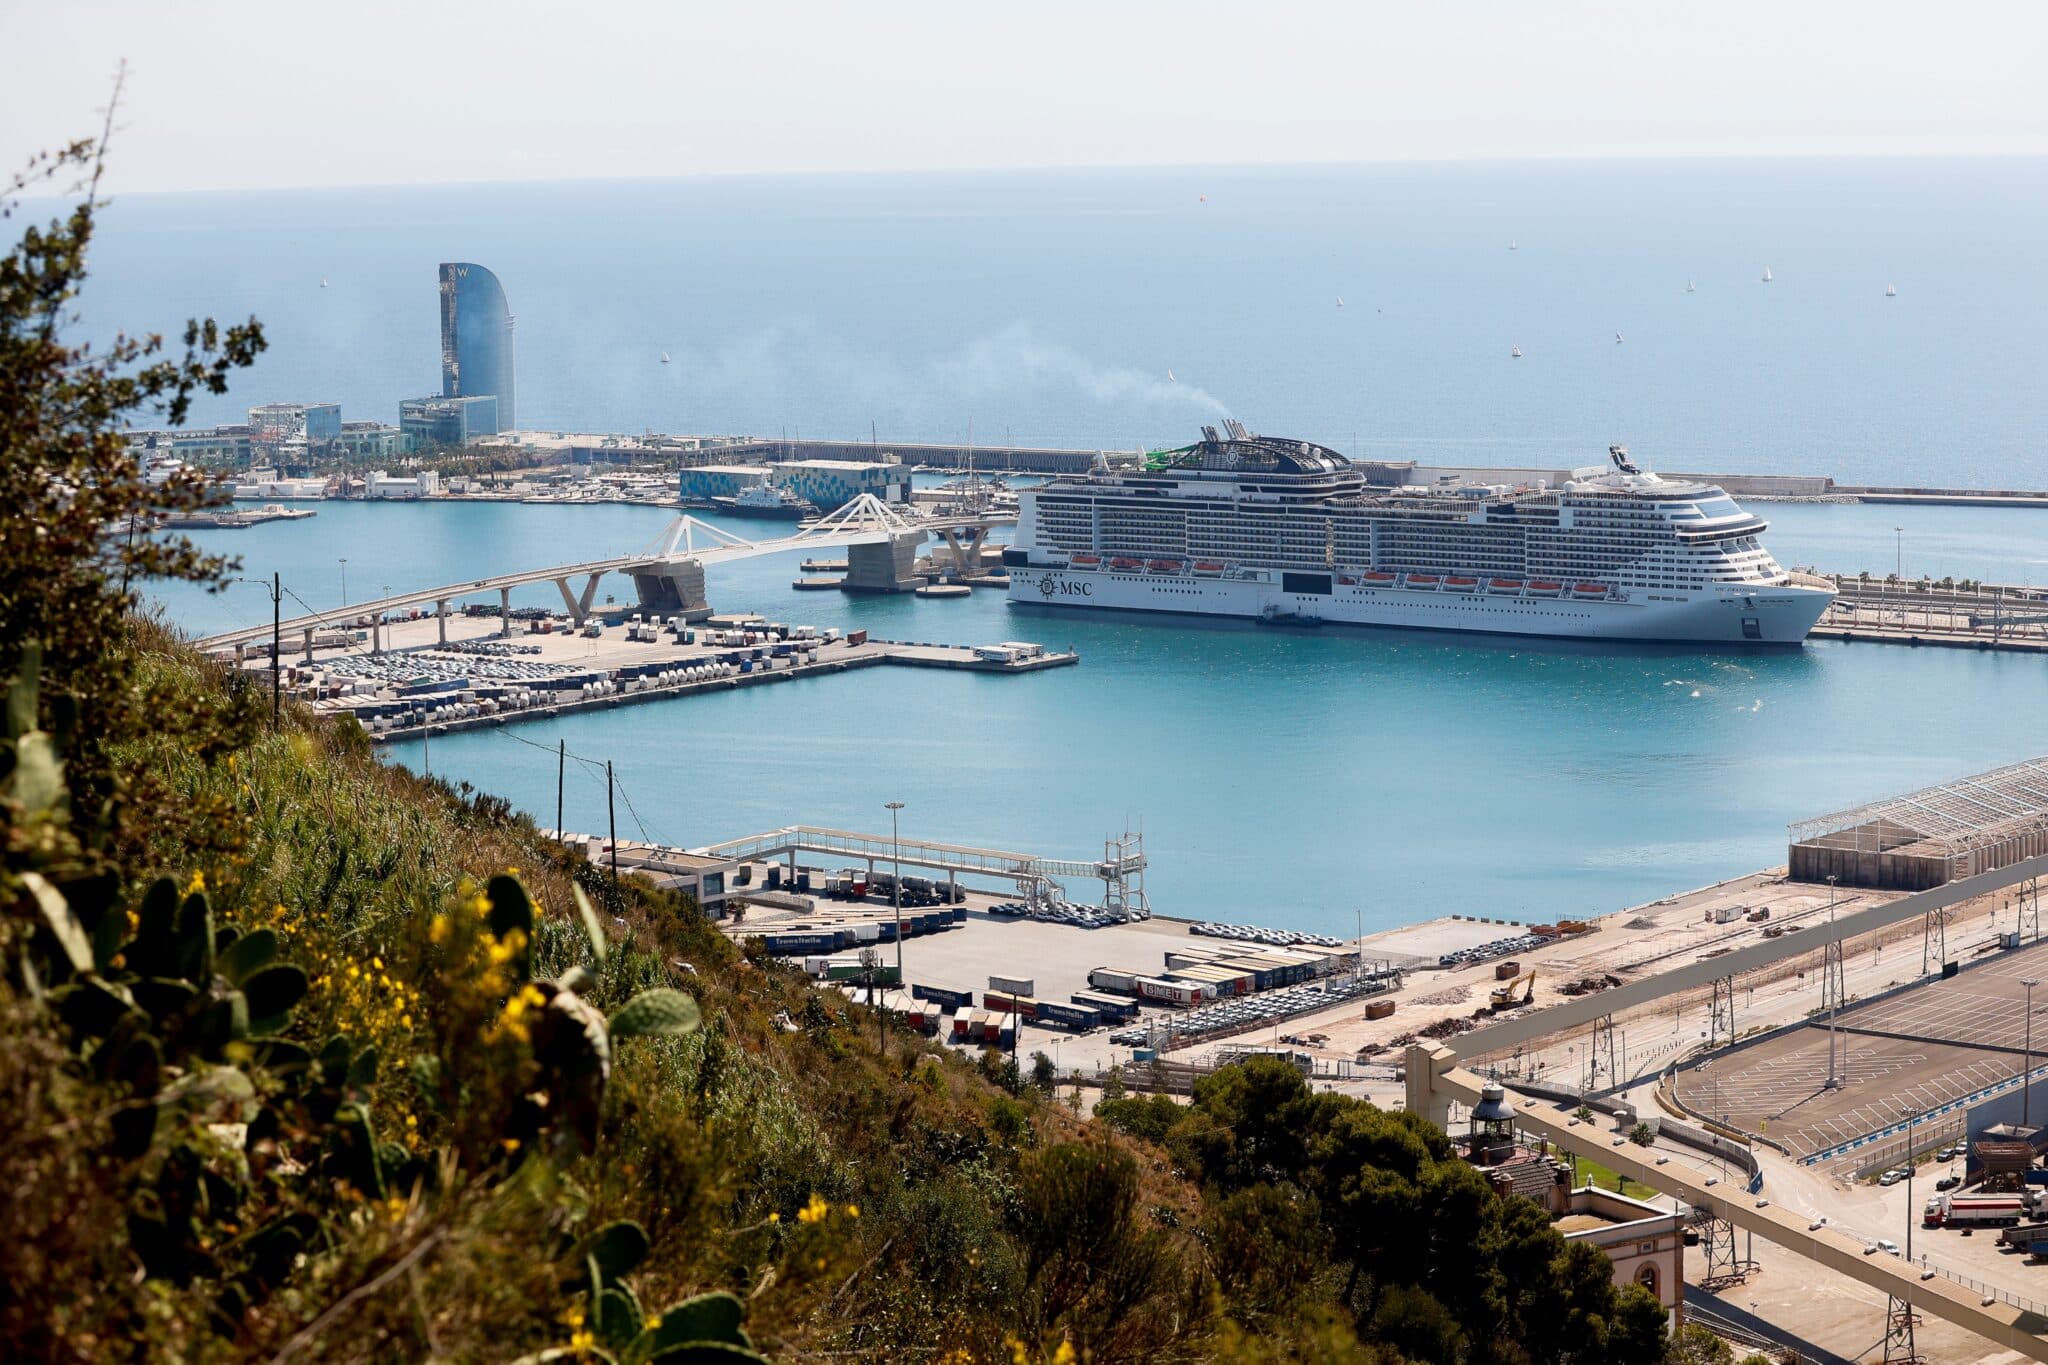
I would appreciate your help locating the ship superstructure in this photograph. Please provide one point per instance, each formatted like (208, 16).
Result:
(1283, 530)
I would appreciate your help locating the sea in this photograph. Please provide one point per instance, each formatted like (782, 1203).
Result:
(1306, 779)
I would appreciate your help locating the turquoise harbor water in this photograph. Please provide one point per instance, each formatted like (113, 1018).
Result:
(1288, 777)
(1285, 777)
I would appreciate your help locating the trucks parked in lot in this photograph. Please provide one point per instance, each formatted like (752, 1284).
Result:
(1980, 1211)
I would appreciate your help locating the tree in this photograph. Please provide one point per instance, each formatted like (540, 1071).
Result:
(1693, 1344)
(1043, 1076)
(68, 479)
(1641, 1135)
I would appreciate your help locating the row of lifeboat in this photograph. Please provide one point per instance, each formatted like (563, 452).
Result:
(1372, 578)
(1452, 582)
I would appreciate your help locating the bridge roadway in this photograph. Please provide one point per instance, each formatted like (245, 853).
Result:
(864, 521)
(1434, 1079)
(881, 848)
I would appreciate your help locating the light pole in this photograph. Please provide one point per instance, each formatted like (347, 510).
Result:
(1910, 1116)
(2027, 1057)
(1899, 553)
(276, 587)
(896, 886)
(344, 580)
(1829, 956)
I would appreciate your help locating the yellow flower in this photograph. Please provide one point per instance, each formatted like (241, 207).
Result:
(774, 1217)
(438, 930)
(197, 884)
(581, 1341)
(815, 1211)
(509, 1144)
(1064, 1355)
(853, 1210)
(653, 1323)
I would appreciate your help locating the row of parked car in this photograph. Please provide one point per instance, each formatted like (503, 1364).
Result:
(1947, 1182)
(1080, 916)
(1248, 1011)
(1487, 952)
(1255, 933)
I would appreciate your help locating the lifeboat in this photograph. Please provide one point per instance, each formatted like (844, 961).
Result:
(1209, 568)
(1423, 580)
(1348, 580)
(1460, 582)
(1086, 561)
(1504, 585)
(1122, 563)
(1547, 586)
(1164, 566)
(1589, 590)
(1378, 578)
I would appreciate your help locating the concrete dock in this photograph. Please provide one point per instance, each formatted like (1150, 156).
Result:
(537, 676)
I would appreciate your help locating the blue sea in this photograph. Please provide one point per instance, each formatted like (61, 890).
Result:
(1049, 307)
(1289, 778)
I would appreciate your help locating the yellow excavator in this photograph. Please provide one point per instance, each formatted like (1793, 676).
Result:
(1504, 995)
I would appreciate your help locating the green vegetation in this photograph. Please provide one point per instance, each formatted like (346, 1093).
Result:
(304, 1058)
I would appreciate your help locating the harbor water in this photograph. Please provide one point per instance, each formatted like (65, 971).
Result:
(1289, 777)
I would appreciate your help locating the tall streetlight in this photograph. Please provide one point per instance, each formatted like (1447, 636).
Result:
(276, 587)
(896, 886)
(1832, 985)
(344, 580)
(2027, 1057)
(1910, 1117)
(1899, 553)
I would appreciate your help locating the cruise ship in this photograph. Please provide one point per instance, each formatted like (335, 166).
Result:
(1289, 533)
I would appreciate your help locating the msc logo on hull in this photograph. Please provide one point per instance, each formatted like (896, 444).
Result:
(1050, 587)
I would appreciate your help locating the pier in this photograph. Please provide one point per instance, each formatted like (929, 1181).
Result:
(1944, 614)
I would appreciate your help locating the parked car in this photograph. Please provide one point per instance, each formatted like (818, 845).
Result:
(1891, 1178)
(1887, 1246)
(1946, 1154)
(1948, 1182)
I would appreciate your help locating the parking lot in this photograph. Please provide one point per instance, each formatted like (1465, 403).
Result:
(1920, 1050)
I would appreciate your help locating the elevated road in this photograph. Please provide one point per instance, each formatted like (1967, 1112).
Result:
(1434, 1080)
(881, 848)
(864, 521)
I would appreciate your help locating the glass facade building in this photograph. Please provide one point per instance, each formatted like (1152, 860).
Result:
(476, 338)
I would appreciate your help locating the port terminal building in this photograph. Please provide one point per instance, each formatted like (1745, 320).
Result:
(1931, 837)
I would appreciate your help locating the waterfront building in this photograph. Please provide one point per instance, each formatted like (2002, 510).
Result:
(476, 339)
(268, 485)
(705, 482)
(313, 424)
(830, 484)
(225, 447)
(446, 421)
(370, 441)
(424, 484)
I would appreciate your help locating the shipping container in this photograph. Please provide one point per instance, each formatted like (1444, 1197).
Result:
(1013, 985)
(1004, 1002)
(943, 995)
(1076, 1017)
(1113, 979)
(1378, 1009)
(1173, 992)
(1108, 1006)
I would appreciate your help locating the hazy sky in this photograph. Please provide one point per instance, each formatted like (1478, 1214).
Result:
(235, 95)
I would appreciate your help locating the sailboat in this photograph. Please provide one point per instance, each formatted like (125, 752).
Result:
(1767, 274)
(664, 357)
(1170, 379)
(1514, 246)
(1617, 338)
(1340, 300)
(1515, 352)
(323, 281)
(1688, 287)
(1891, 291)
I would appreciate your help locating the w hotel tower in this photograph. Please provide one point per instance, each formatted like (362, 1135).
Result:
(476, 338)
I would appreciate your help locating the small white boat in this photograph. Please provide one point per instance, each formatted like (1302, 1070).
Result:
(1514, 353)
(1688, 287)
(1340, 300)
(1617, 338)
(1170, 379)
(1891, 291)
(1767, 274)
(1513, 246)
(664, 357)
(323, 281)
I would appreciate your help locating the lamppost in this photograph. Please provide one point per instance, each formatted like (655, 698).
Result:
(1830, 955)
(2027, 1057)
(896, 886)
(1910, 1117)
(1899, 553)
(276, 587)
(344, 580)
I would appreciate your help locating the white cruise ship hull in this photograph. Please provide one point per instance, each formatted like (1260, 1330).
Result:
(1744, 615)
